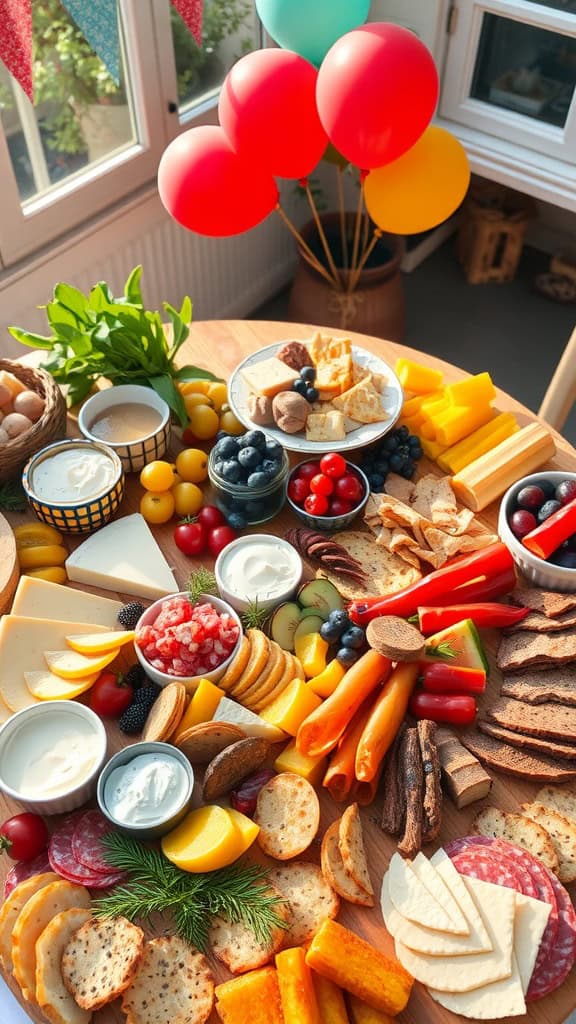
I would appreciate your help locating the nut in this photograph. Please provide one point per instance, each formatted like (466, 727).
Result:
(290, 411)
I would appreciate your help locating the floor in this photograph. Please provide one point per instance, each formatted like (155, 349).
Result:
(509, 329)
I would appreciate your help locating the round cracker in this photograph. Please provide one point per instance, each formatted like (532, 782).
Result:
(311, 899)
(166, 713)
(200, 743)
(288, 813)
(236, 945)
(236, 666)
(101, 959)
(335, 871)
(174, 983)
(268, 678)
(259, 654)
(232, 765)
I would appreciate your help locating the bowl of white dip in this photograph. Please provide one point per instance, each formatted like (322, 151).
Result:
(145, 789)
(75, 486)
(258, 568)
(50, 756)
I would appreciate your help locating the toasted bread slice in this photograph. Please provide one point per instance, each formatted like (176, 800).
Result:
(36, 913)
(173, 983)
(259, 655)
(351, 844)
(288, 813)
(310, 896)
(52, 996)
(558, 798)
(562, 833)
(335, 872)
(236, 666)
(238, 948)
(11, 908)
(520, 830)
(101, 959)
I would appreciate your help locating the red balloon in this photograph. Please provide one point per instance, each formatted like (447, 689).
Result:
(207, 187)
(268, 110)
(376, 93)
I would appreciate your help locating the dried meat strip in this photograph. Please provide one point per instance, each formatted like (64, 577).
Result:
(394, 806)
(432, 788)
(412, 777)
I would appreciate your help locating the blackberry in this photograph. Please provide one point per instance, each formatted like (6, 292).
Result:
(134, 718)
(130, 613)
(146, 694)
(135, 676)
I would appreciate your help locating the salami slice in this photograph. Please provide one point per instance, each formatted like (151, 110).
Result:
(550, 974)
(87, 847)
(488, 867)
(25, 869)
(64, 862)
(506, 851)
(464, 843)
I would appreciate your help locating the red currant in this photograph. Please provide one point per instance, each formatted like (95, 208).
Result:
(308, 470)
(298, 489)
(321, 484)
(340, 508)
(333, 465)
(316, 505)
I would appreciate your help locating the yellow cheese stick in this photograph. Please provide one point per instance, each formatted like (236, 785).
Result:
(297, 995)
(431, 448)
(310, 768)
(417, 378)
(412, 406)
(202, 706)
(459, 421)
(330, 1001)
(480, 441)
(471, 390)
(361, 1013)
(488, 477)
(434, 404)
(290, 709)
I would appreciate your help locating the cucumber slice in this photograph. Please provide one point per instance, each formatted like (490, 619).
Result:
(320, 594)
(306, 612)
(457, 645)
(311, 624)
(283, 624)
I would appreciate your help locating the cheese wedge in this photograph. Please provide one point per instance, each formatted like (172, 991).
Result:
(445, 868)
(250, 723)
(22, 645)
(437, 888)
(425, 940)
(71, 665)
(123, 556)
(97, 643)
(502, 998)
(47, 686)
(529, 925)
(412, 899)
(485, 479)
(38, 599)
(269, 377)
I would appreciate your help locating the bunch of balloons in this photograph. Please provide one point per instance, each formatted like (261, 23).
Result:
(359, 93)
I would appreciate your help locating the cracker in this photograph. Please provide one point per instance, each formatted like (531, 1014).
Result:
(351, 844)
(166, 713)
(335, 872)
(362, 402)
(201, 743)
(257, 661)
(562, 834)
(52, 996)
(11, 908)
(232, 765)
(173, 985)
(269, 676)
(311, 898)
(36, 913)
(101, 959)
(558, 798)
(288, 813)
(325, 426)
(236, 666)
(519, 830)
(235, 944)
(286, 678)
(385, 572)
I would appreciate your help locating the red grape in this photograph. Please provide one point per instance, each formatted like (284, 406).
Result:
(522, 522)
(530, 497)
(565, 492)
(307, 470)
(349, 488)
(321, 484)
(338, 507)
(298, 489)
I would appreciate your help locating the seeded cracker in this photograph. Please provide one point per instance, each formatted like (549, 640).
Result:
(235, 944)
(288, 813)
(173, 985)
(310, 896)
(100, 961)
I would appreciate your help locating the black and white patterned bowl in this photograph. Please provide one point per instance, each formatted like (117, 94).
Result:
(134, 455)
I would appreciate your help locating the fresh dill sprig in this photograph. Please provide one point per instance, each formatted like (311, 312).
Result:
(155, 885)
(201, 581)
(255, 616)
(12, 497)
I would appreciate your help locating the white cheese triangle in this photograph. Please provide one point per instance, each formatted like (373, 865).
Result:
(123, 556)
(502, 998)
(39, 599)
(412, 899)
(425, 940)
(529, 925)
(230, 711)
(437, 888)
(445, 868)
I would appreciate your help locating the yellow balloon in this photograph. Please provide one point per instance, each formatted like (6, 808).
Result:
(420, 189)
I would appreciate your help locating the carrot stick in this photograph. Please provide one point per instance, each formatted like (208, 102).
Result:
(340, 772)
(320, 732)
(383, 724)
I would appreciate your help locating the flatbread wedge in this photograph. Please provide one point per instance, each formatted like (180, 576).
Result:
(52, 995)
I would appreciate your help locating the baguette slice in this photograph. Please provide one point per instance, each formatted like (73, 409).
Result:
(335, 872)
(558, 799)
(351, 843)
(562, 835)
(52, 996)
(519, 830)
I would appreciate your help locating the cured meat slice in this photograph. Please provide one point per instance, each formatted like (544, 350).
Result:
(64, 862)
(87, 847)
(25, 869)
(549, 974)
(487, 866)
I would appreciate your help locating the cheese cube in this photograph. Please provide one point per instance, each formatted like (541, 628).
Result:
(202, 706)
(325, 426)
(310, 768)
(269, 377)
(290, 709)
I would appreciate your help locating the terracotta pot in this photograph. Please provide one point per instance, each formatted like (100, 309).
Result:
(376, 306)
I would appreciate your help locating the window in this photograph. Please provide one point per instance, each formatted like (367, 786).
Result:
(87, 141)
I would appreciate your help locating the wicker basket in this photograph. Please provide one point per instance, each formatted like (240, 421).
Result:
(50, 427)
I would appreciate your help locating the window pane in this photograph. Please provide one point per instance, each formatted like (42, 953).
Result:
(80, 116)
(230, 29)
(527, 69)
(559, 5)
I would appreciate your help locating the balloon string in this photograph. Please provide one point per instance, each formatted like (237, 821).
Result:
(356, 275)
(323, 238)
(343, 238)
(305, 249)
(354, 264)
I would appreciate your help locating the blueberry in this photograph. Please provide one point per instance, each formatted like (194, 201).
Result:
(402, 433)
(330, 632)
(218, 464)
(381, 466)
(416, 452)
(308, 373)
(300, 386)
(403, 449)
(270, 467)
(258, 479)
(390, 443)
(227, 447)
(353, 637)
(376, 481)
(340, 618)
(221, 434)
(254, 509)
(347, 656)
(274, 449)
(547, 509)
(254, 439)
(236, 521)
(408, 470)
(548, 487)
(249, 457)
(414, 441)
(311, 394)
(232, 471)
(396, 462)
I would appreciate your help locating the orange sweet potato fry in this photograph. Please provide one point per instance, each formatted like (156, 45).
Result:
(364, 793)
(297, 994)
(384, 722)
(361, 1013)
(330, 1001)
(257, 990)
(365, 972)
(340, 777)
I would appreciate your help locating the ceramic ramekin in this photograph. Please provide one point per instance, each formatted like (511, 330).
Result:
(536, 570)
(134, 455)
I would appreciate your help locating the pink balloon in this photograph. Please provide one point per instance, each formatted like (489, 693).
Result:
(268, 110)
(376, 93)
(208, 188)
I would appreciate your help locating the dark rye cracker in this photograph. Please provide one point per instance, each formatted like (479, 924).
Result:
(521, 650)
(539, 685)
(536, 622)
(549, 721)
(520, 763)
(548, 602)
(550, 748)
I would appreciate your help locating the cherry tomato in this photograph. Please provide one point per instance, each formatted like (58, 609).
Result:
(192, 465)
(333, 465)
(340, 508)
(189, 438)
(230, 423)
(191, 538)
(157, 506)
(349, 488)
(308, 470)
(219, 537)
(210, 517)
(110, 695)
(157, 476)
(316, 505)
(24, 836)
(298, 489)
(458, 709)
(321, 484)
(188, 498)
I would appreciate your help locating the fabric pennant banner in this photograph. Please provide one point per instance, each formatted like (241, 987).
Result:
(16, 41)
(191, 13)
(98, 21)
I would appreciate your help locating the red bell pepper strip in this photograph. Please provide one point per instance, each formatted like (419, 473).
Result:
(487, 615)
(552, 532)
(438, 677)
(490, 561)
(481, 589)
(457, 709)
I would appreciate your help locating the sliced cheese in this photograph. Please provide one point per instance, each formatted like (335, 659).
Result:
(97, 643)
(485, 479)
(71, 665)
(463, 974)
(445, 868)
(269, 377)
(425, 940)
(229, 711)
(38, 599)
(46, 686)
(437, 888)
(502, 998)
(412, 899)
(529, 926)
(22, 645)
(123, 556)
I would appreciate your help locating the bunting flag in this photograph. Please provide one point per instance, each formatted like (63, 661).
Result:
(98, 22)
(191, 13)
(16, 41)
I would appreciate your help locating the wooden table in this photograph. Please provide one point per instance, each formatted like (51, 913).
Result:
(220, 346)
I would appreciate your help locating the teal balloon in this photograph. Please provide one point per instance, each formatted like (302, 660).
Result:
(311, 27)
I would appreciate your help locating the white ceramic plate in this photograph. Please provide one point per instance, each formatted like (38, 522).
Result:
(366, 433)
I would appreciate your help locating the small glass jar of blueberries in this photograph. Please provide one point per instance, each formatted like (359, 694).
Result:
(249, 476)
